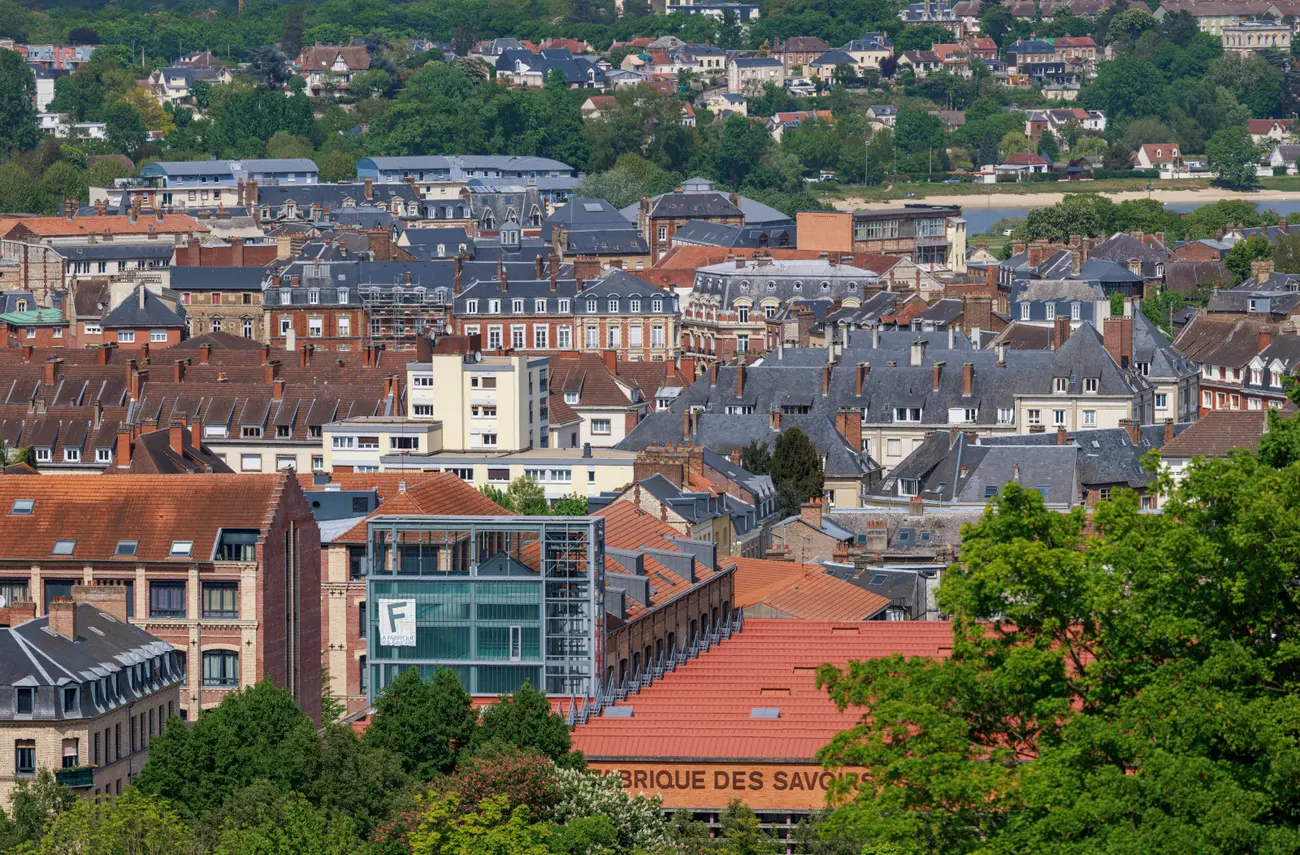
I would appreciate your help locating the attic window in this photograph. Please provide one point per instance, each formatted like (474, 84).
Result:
(23, 507)
(125, 549)
(570, 397)
(182, 548)
(64, 547)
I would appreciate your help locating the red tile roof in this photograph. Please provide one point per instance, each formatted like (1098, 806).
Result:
(153, 510)
(442, 493)
(629, 527)
(805, 591)
(770, 663)
(1264, 126)
(1218, 432)
(117, 224)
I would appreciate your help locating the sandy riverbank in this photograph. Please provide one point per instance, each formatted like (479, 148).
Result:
(996, 201)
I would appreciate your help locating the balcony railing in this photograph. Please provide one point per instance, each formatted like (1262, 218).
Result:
(76, 777)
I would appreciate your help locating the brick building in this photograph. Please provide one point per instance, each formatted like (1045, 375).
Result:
(224, 568)
(617, 312)
(82, 691)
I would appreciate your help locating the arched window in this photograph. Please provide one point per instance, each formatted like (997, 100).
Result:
(216, 323)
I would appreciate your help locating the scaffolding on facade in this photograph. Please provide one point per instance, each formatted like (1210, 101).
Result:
(397, 314)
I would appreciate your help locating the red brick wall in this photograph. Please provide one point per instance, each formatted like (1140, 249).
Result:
(17, 336)
(293, 518)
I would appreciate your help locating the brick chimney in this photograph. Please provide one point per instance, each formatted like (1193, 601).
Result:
(538, 264)
(28, 350)
(63, 617)
(1261, 269)
(271, 370)
(611, 360)
(368, 189)
(713, 373)
(860, 377)
(1133, 428)
(52, 370)
(178, 371)
(811, 513)
(1117, 335)
(107, 597)
(176, 436)
(915, 507)
(1265, 339)
(1169, 423)
(277, 389)
(123, 455)
(304, 356)
(205, 353)
(236, 252)
(967, 379)
(1060, 331)
(1061, 438)
(1035, 254)
(848, 422)
(17, 612)
(937, 375)
(459, 262)
(826, 379)
(776, 419)
(740, 380)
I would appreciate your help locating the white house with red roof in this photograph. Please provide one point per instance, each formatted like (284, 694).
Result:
(1166, 157)
(1022, 163)
(1271, 130)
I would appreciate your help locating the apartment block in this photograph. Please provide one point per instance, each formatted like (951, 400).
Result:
(82, 691)
(225, 568)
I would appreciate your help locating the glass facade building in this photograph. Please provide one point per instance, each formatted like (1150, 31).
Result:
(499, 600)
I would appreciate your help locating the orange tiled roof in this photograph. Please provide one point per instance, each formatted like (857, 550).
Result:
(770, 663)
(803, 591)
(629, 527)
(117, 224)
(443, 493)
(153, 510)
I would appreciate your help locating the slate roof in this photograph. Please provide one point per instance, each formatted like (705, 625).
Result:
(117, 251)
(584, 214)
(33, 655)
(143, 309)
(1122, 247)
(708, 233)
(191, 278)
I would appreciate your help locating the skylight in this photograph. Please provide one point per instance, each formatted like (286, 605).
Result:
(878, 579)
(64, 547)
(125, 548)
(182, 548)
(765, 712)
(593, 207)
(23, 506)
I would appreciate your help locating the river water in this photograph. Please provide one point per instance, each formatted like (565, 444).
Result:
(980, 220)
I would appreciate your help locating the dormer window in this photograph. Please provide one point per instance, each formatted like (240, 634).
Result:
(343, 295)
(313, 296)
(1062, 385)
(570, 397)
(635, 305)
(613, 306)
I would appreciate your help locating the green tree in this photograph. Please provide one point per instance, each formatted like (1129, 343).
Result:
(572, 505)
(102, 173)
(796, 471)
(337, 166)
(1048, 149)
(1286, 254)
(1234, 158)
(526, 496)
(18, 129)
(756, 457)
(291, 35)
(61, 182)
(525, 720)
(254, 733)
(37, 804)
(372, 83)
(497, 495)
(17, 190)
(124, 128)
(290, 827)
(356, 779)
(742, 834)
(423, 722)
(286, 145)
(132, 823)
(1239, 258)
(1013, 142)
(1085, 214)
